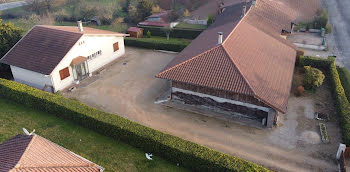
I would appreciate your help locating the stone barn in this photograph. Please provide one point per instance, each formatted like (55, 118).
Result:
(240, 64)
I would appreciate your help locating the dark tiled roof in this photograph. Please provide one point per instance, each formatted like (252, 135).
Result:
(24, 153)
(43, 48)
(253, 58)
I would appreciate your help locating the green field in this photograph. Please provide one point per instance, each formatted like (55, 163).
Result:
(110, 154)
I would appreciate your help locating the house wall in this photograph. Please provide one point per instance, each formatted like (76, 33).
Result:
(247, 106)
(86, 46)
(33, 79)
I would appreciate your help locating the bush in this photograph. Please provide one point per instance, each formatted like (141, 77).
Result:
(148, 34)
(315, 62)
(176, 33)
(157, 44)
(344, 75)
(342, 103)
(313, 77)
(328, 28)
(210, 20)
(190, 155)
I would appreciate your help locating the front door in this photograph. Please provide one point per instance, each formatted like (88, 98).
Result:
(81, 71)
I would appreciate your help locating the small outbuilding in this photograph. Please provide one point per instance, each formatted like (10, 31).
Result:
(135, 32)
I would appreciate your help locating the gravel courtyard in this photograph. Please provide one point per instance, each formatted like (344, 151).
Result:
(128, 88)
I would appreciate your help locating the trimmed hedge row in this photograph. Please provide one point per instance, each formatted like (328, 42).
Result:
(175, 33)
(150, 43)
(174, 149)
(315, 62)
(344, 75)
(342, 103)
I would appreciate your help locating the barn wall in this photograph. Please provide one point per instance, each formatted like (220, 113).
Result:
(247, 106)
(219, 93)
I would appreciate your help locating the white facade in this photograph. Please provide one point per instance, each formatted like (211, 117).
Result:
(99, 45)
(33, 79)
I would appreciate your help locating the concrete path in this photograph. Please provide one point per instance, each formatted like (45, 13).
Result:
(10, 5)
(339, 40)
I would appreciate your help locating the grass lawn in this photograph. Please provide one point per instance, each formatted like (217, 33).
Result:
(109, 153)
(164, 39)
(190, 26)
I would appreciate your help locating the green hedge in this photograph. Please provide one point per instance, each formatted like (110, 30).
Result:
(176, 33)
(344, 75)
(174, 149)
(342, 103)
(315, 62)
(157, 44)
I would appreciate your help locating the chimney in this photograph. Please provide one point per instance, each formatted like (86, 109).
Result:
(220, 35)
(80, 26)
(244, 10)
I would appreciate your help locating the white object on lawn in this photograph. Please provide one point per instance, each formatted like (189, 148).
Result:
(27, 133)
(149, 156)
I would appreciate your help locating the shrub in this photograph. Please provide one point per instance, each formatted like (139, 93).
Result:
(313, 77)
(210, 20)
(344, 75)
(174, 149)
(148, 34)
(157, 44)
(315, 62)
(328, 28)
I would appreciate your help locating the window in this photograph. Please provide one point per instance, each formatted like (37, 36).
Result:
(94, 55)
(64, 73)
(115, 46)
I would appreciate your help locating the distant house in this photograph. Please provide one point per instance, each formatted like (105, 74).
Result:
(240, 64)
(31, 153)
(55, 57)
(135, 32)
(159, 19)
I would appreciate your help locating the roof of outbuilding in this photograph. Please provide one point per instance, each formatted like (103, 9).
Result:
(31, 153)
(253, 59)
(43, 47)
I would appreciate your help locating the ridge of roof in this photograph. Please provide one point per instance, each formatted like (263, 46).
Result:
(26, 150)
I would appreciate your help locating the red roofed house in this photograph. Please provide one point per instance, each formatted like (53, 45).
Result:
(57, 56)
(159, 19)
(31, 153)
(240, 64)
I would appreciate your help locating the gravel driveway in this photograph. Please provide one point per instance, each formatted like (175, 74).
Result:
(129, 89)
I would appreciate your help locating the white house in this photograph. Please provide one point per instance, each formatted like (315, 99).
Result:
(55, 57)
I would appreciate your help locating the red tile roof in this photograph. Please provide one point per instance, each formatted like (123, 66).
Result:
(43, 47)
(252, 60)
(24, 153)
(134, 29)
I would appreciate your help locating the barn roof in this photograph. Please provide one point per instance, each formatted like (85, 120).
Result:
(253, 59)
(29, 153)
(43, 47)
